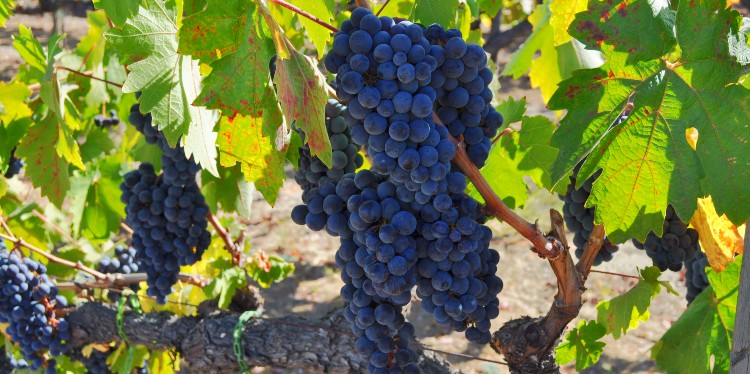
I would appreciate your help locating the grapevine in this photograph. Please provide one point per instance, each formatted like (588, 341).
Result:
(405, 149)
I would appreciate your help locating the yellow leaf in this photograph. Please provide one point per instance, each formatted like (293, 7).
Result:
(13, 101)
(719, 238)
(691, 134)
(563, 13)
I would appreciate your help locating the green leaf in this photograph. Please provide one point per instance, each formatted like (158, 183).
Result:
(168, 81)
(228, 193)
(10, 135)
(323, 10)
(13, 101)
(516, 155)
(96, 206)
(520, 61)
(40, 148)
(62, 111)
(92, 47)
(702, 336)
(121, 362)
(270, 269)
(31, 51)
(119, 11)
(435, 11)
(625, 312)
(235, 39)
(225, 285)
(97, 143)
(554, 63)
(293, 154)
(581, 344)
(512, 110)
(676, 82)
(6, 10)
(491, 7)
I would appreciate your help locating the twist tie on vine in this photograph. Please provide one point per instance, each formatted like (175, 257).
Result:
(135, 304)
(237, 334)
(121, 319)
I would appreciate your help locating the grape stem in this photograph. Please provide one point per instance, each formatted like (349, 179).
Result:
(60, 231)
(544, 247)
(231, 246)
(19, 242)
(506, 131)
(615, 274)
(116, 279)
(304, 14)
(382, 7)
(87, 75)
(363, 4)
(126, 228)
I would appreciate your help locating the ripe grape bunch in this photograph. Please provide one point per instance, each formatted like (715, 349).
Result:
(28, 304)
(678, 244)
(124, 262)
(696, 279)
(167, 212)
(407, 221)
(346, 158)
(105, 121)
(580, 220)
(96, 363)
(14, 165)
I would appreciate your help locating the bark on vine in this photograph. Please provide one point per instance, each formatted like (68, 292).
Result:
(205, 341)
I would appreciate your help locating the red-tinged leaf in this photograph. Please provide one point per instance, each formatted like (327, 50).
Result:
(301, 89)
(251, 141)
(47, 170)
(302, 94)
(234, 36)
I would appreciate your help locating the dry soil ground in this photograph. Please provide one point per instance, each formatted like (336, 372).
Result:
(529, 282)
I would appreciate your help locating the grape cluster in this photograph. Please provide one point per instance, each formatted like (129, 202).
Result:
(580, 219)
(28, 304)
(346, 158)
(678, 244)
(14, 165)
(9, 364)
(124, 262)
(407, 221)
(696, 279)
(461, 82)
(96, 363)
(105, 121)
(167, 212)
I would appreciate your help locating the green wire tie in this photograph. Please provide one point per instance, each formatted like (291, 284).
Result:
(127, 295)
(237, 345)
